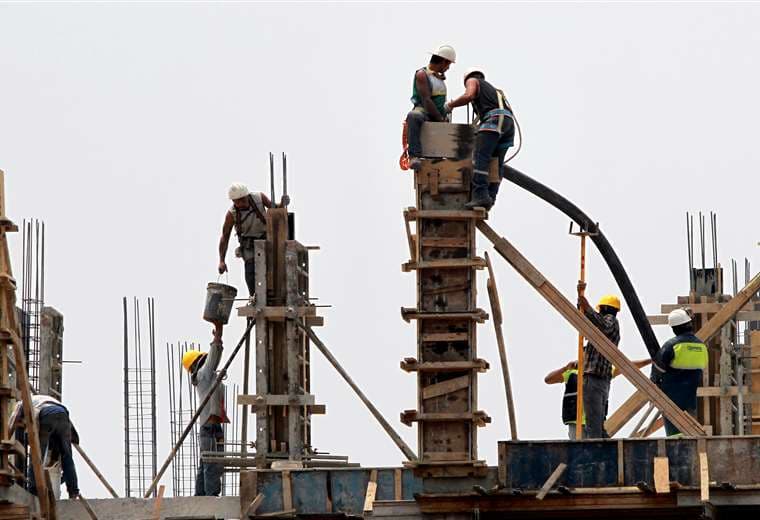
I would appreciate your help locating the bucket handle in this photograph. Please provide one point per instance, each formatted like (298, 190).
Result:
(227, 279)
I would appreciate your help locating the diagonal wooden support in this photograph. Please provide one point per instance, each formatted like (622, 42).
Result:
(683, 421)
(553, 478)
(493, 296)
(627, 410)
(95, 470)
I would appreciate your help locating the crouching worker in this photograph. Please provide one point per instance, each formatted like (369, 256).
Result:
(678, 366)
(495, 133)
(429, 98)
(202, 368)
(56, 434)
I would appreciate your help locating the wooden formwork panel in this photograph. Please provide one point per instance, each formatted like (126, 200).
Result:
(445, 260)
(755, 378)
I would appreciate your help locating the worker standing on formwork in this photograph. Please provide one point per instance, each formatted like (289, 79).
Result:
(429, 98)
(597, 370)
(202, 368)
(568, 375)
(678, 366)
(56, 435)
(495, 133)
(248, 216)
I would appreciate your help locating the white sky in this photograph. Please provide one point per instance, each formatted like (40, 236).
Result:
(122, 125)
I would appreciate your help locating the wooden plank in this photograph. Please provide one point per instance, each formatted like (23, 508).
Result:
(444, 242)
(444, 336)
(620, 462)
(412, 365)
(553, 478)
(287, 491)
(429, 456)
(276, 400)
(369, 496)
(410, 313)
(95, 470)
(704, 477)
(159, 499)
(248, 490)
(444, 214)
(661, 475)
(502, 473)
(717, 391)
(398, 493)
(479, 417)
(493, 297)
(448, 263)
(254, 505)
(445, 387)
(683, 421)
(87, 508)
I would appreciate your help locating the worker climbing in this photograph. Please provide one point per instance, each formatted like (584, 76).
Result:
(597, 370)
(495, 133)
(678, 366)
(56, 435)
(248, 216)
(202, 368)
(428, 98)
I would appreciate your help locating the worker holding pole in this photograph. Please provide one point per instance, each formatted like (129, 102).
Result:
(597, 370)
(202, 368)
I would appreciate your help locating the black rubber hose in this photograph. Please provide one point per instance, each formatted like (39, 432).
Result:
(604, 247)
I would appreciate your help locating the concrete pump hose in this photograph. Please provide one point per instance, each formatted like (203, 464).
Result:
(602, 244)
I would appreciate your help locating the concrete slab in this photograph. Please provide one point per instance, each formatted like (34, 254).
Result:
(172, 508)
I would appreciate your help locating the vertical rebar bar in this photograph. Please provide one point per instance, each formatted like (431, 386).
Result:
(152, 339)
(271, 178)
(126, 403)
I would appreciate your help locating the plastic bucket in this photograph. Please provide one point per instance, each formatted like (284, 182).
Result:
(219, 300)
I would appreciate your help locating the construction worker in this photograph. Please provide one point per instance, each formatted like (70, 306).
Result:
(495, 133)
(568, 375)
(429, 98)
(56, 433)
(248, 216)
(679, 365)
(202, 368)
(597, 370)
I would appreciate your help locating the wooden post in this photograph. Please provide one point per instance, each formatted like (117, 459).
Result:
(159, 500)
(493, 296)
(405, 449)
(683, 421)
(579, 399)
(95, 470)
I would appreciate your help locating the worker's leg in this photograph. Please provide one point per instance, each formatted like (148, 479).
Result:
(595, 393)
(213, 472)
(493, 188)
(62, 435)
(571, 431)
(45, 429)
(414, 120)
(485, 145)
(250, 276)
(205, 443)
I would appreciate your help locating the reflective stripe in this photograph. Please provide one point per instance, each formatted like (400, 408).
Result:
(689, 356)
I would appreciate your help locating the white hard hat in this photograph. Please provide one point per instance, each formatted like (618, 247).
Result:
(446, 52)
(678, 317)
(472, 70)
(238, 191)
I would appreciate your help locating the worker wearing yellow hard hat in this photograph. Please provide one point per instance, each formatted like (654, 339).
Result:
(202, 368)
(597, 370)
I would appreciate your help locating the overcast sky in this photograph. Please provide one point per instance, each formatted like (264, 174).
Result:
(122, 126)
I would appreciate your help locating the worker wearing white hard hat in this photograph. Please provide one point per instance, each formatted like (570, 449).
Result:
(428, 98)
(495, 133)
(248, 216)
(678, 366)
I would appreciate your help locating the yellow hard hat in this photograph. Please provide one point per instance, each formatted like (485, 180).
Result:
(610, 300)
(189, 357)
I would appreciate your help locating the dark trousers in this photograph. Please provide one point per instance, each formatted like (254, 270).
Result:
(250, 276)
(487, 146)
(414, 120)
(208, 480)
(596, 391)
(55, 437)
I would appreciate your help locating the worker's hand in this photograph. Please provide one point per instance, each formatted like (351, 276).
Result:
(447, 107)
(217, 332)
(284, 201)
(222, 267)
(571, 365)
(581, 288)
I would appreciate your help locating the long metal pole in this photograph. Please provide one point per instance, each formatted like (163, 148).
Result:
(221, 374)
(126, 401)
(246, 376)
(152, 330)
(579, 378)
(405, 449)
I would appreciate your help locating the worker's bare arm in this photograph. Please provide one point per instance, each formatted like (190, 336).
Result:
(470, 93)
(583, 303)
(423, 88)
(224, 241)
(639, 363)
(555, 376)
(266, 202)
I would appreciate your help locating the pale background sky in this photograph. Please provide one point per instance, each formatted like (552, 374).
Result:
(122, 126)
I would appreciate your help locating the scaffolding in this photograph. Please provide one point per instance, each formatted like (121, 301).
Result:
(140, 461)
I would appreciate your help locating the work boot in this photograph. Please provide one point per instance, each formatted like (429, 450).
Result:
(480, 199)
(415, 163)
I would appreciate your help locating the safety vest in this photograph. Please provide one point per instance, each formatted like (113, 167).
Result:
(689, 356)
(437, 91)
(570, 398)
